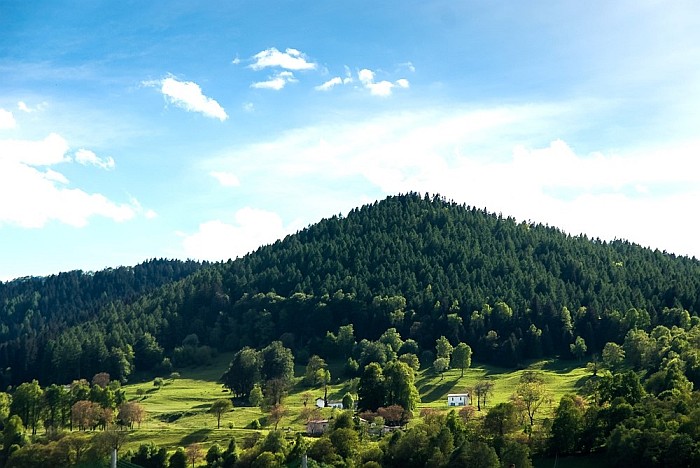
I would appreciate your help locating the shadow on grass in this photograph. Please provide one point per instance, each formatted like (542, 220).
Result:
(434, 392)
(581, 382)
(200, 435)
(561, 366)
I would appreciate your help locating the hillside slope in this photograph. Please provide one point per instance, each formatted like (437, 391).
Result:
(35, 312)
(424, 265)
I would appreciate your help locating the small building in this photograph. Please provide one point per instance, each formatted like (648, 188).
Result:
(321, 403)
(316, 427)
(458, 399)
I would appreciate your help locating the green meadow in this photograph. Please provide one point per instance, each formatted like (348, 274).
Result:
(177, 412)
(560, 377)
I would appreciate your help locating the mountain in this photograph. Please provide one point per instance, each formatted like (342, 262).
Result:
(422, 264)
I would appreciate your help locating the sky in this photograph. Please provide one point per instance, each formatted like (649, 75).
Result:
(134, 130)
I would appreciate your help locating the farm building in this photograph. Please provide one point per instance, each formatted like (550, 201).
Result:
(321, 403)
(316, 426)
(458, 399)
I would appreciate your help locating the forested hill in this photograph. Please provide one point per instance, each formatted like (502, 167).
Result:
(421, 264)
(429, 249)
(36, 310)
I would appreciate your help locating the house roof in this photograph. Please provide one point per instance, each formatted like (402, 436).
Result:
(457, 395)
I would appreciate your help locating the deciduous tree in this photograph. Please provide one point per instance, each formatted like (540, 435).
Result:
(440, 365)
(131, 413)
(462, 357)
(193, 453)
(219, 407)
(443, 348)
(482, 389)
(567, 424)
(243, 372)
(400, 386)
(532, 392)
(27, 402)
(578, 348)
(371, 391)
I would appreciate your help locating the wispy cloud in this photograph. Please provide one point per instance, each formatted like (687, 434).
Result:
(336, 81)
(87, 157)
(366, 77)
(276, 82)
(7, 120)
(188, 96)
(226, 179)
(409, 66)
(21, 105)
(290, 59)
(502, 158)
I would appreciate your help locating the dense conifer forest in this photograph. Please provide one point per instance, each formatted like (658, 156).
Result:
(401, 285)
(424, 265)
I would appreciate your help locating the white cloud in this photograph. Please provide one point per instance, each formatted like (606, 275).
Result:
(227, 179)
(87, 157)
(218, 240)
(188, 95)
(249, 107)
(335, 81)
(365, 76)
(277, 82)
(501, 158)
(51, 150)
(329, 84)
(33, 194)
(290, 59)
(7, 120)
(54, 176)
(21, 105)
(380, 88)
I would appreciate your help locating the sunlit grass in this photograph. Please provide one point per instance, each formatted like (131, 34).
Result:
(560, 377)
(177, 412)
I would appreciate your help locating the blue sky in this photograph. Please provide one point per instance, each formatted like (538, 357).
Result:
(132, 130)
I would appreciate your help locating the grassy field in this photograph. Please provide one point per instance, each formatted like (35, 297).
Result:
(177, 412)
(560, 377)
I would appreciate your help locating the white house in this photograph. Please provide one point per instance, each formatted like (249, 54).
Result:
(458, 399)
(321, 403)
